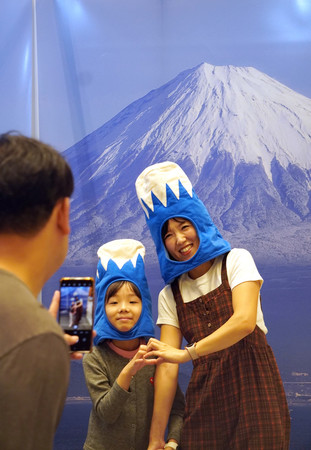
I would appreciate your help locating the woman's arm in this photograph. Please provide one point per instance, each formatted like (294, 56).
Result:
(165, 383)
(241, 323)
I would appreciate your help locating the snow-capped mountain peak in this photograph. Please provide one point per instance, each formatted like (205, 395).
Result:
(232, 109)
(243, 139)
(237, 110)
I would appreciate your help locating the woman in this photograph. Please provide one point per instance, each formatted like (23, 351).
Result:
(235, 398)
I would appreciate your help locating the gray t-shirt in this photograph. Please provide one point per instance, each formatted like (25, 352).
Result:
(34, 369)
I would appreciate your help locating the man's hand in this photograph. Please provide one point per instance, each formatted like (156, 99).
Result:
(53, 310)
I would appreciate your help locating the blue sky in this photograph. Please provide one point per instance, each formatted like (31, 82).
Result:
(97, 56)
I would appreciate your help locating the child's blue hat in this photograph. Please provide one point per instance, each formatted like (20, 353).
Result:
(164, 192)
(122, 259)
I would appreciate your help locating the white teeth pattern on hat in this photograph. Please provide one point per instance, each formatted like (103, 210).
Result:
(155, 178)
(121, 251)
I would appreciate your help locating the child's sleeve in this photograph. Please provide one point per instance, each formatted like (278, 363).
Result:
(176, 417)
(107, 396)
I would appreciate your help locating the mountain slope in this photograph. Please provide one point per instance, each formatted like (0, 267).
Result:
(243, 138)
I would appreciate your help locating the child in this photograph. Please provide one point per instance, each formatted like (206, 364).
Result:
(118, 379)
(235, 399)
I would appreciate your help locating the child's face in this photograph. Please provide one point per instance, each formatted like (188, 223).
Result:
(181, 239)
(123, 309)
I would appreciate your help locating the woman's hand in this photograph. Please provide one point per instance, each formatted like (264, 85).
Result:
(165, 352)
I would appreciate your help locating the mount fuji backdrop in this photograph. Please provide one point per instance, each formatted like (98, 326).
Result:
(244, 140)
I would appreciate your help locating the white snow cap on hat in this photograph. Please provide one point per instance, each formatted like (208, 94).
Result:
(155, 178)
(121, 251)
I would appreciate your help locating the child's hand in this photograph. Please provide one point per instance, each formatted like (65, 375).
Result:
(135, 364)
(138, 361)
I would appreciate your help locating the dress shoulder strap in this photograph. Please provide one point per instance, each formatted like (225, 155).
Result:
(224, 278)
(175, 288)
(224, 275)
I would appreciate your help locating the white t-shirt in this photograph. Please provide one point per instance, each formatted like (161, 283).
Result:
(240, 268)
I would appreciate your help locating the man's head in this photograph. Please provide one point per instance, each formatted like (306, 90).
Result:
(33, 177)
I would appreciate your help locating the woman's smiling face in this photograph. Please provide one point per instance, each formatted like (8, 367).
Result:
(181, 239)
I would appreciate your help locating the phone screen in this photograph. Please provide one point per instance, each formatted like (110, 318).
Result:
(76, 310)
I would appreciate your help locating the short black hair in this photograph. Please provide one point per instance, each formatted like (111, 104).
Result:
(33, 177)
(113, 288)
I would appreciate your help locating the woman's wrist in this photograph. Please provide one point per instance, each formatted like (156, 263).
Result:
(187, 355)
(191, 349)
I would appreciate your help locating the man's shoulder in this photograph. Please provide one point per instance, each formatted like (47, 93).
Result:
(25, 316)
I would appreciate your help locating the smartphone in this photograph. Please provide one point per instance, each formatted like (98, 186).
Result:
(76, 310)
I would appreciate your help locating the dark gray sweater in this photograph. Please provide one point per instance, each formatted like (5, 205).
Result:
(120, 420)
(34, 369)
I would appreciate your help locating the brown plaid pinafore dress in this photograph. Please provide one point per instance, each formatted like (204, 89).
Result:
(235, 398)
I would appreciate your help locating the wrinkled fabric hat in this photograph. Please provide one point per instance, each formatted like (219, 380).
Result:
(164, 191)
(122, 259)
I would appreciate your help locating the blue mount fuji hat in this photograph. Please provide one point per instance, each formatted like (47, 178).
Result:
(122, 259)
(164, 192)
